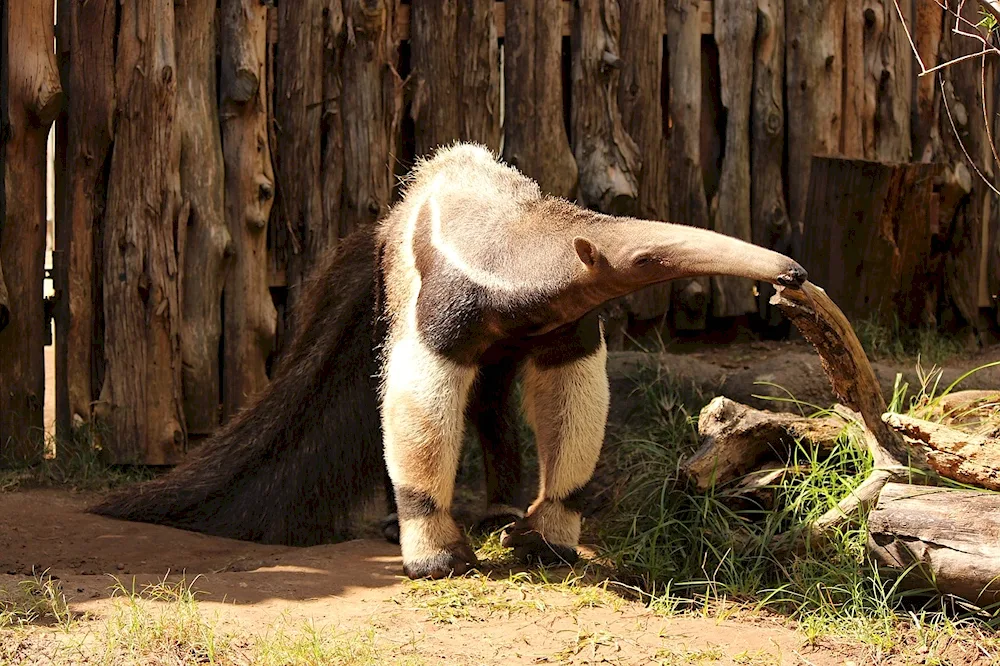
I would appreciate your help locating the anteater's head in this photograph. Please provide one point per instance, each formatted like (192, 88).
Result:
(630, 254)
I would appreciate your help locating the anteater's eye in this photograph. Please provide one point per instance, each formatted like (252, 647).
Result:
(643, 260)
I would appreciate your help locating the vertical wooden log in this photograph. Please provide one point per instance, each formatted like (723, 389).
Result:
(332, 126)
(887, 82)
(30, 99)
(436, 64)
(479, 79)
(535, 139)
(208, 242)
(964, 232)
(606, 156)
(734, 34)
(928, 24)
(856, 116)
(90, 86)
(249, 195)
(687, 188)
(815, 72)
(298, 152)
(372, 109)
(769, 215)
(141, 400)
(639, 97)
(4, 302)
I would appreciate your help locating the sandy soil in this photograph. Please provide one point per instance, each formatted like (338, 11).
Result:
(356, 586)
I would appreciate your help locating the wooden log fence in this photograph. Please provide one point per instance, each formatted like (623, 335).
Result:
(209, 152)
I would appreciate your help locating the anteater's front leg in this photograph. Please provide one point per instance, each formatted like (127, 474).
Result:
(423, 418)
(566, 400)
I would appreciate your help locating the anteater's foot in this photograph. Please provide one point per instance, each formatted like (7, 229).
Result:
(390, 528)
(454, 560)
(531, 548)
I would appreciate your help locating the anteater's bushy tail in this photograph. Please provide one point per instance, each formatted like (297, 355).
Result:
(294, 465)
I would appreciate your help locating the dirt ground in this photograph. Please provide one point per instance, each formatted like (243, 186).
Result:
(358, 586)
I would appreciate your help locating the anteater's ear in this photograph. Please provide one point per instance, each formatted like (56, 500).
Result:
(589, 254)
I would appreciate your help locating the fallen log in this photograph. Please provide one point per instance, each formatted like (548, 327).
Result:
(734, 438)
(948, 539)
(961, 456)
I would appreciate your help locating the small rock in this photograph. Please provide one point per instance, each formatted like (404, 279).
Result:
(120, 566)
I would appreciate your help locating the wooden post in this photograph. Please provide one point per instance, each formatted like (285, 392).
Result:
(331, 130)
(607, 157)
(479, 80)
(4, 302)
(768, 212)
(372, 110)
(298, 152)
(928, 24)
(690, 301)
(436, 66)
(535, 139)
(639, 90)
(208, 242)
(89, 34)
(250, 316)
(734, 33)
(815, 71)
(30, 99)
(140, 402)
(888, 82)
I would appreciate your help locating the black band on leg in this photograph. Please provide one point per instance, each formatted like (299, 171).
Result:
(412, 504)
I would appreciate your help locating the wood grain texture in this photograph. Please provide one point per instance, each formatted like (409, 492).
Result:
(606, 156)
(30, 99)
(814, 85)
(372, 111)
(535, 139)
(207, 246)
(954, 454)
(768, 210)
(436, 64)
(88, 36)
(735, 26)
(691, 298)
(480, 72)
(250, 316)
(944, 539)
(888, 81)
(140, 402)
(869, 236)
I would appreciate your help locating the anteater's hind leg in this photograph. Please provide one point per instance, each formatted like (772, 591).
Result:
(492, 412)
(423, 410)
(566, 400)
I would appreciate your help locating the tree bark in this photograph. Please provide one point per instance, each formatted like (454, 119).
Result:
(141, 401)
(815, 70)
(4, 302)
(372, 110)
(954, 454)
(948, 537)
(856, 117)
(870, 236)
(479, 108)
(436, 64)
(249, 195)
(606, 156)
(89, 34)
(535, 139)
(208, 242)
(30, 99)
(688, 205)
(928, 23)
(332, 128)
(734, 34)
(888, 82)
(639, 91)
(298, 151)
(735, 437)
(768, 212)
